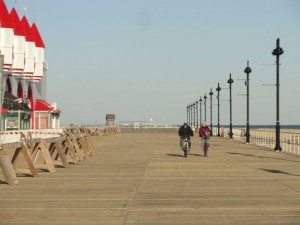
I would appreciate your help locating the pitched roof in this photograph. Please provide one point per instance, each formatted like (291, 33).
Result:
(28, 34)
(110, 116)
(4, 16)
(16, 23)
(38, 39)
(42, 105)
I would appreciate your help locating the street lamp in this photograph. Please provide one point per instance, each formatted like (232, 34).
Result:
(218, 97)
(197, 113)
(205, 97)
(187, 113)
(190, 115)
(247, 71)
(211, 94)
(194, 105)
(230, 81)
(200, 101)
(277, 51)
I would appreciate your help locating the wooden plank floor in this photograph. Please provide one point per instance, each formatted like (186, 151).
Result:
(142, 179)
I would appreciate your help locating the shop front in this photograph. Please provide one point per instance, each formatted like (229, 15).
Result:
(15, 114)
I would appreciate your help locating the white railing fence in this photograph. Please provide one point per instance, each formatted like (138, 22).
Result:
(15, 136)
(289, 141)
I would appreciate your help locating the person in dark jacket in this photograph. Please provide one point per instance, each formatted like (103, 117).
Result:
(185, 131)
(204, 133)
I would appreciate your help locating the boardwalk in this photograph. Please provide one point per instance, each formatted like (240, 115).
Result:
(142, 179)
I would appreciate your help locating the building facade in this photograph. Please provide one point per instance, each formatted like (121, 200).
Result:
(24, 75)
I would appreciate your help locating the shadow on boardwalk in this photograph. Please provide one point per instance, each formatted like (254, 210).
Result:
(142, 179)
(258, 156)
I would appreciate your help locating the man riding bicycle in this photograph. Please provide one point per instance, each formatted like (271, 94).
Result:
(185, 131)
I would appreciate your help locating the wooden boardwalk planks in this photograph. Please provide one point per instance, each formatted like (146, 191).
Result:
(143, 179)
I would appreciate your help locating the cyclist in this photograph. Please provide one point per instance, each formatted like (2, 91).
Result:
(204, 133)
(185, 131)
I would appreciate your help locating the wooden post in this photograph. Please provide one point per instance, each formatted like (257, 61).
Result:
(78, 150)
(27, 158)
(69, 149)
(40, 147)
(61, 153)
(7, 168)
(84, 146)
(90, 144)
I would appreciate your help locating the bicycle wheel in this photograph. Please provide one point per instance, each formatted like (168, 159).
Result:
(185, 149)
(206, 149)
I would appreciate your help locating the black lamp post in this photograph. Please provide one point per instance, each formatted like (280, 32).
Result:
(205, 97)
(192, 114)
(200, 101)
(197, 113)
(191, 111)
(211, 94)
(218, 97)
(195, 120)
(187, 113)
(277, 51)
(194, 104)
(247, 71)
(230, 81)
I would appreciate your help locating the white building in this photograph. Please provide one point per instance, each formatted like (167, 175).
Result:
(24, 73)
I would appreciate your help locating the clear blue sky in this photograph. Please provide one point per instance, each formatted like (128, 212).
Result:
(149, 59)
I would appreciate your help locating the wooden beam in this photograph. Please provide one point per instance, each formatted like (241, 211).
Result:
(61, 153)
(70, 150)
(27, 158)
(7, 168)
(47, 157)
(90, 144)
(84, 147)
(79, 152)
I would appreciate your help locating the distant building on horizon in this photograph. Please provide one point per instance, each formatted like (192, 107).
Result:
(110, 120)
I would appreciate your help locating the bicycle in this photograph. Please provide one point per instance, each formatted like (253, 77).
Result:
(185, 145)
(205, 147)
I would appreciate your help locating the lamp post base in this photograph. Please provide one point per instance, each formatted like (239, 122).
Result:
(247, 138)
(277, 148)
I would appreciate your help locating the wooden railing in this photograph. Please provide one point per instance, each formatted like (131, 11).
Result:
(73, 145)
